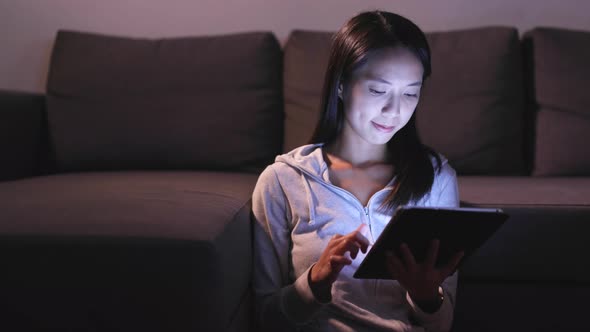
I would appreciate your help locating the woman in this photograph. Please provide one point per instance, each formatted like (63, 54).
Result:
(318, 208)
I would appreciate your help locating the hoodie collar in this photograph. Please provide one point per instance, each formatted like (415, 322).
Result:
(309, 159)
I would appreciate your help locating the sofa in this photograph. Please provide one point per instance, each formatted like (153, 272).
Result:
(125, 188)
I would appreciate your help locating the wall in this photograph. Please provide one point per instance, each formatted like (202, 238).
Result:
(28, 27)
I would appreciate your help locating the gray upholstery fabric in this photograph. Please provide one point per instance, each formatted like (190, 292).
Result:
(306, 58)
(475, 93)
(536, 261)
(561, 71)
(471, 110)
(536, 244)
(525, 191)
(548, 217)
(119, 247)
(22, 117)
(506, 306)
(198, 103)
(561, 143)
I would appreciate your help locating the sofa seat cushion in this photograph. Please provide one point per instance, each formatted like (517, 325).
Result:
(505, 306)
(546, 237)
(126, 250)
(525, 191)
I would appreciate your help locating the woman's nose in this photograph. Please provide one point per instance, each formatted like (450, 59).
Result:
(392, 107)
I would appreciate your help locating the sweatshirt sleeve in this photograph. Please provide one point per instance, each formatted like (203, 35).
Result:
(446, 194)
(280, 301)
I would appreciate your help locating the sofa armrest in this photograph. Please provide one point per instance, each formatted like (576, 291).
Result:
(22, 123)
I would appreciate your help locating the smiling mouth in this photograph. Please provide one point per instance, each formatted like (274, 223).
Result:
(382, 128)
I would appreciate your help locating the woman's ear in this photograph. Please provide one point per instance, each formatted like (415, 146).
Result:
(340, 88)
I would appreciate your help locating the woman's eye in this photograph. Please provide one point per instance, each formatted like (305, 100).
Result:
(413, 95)
(376, 92)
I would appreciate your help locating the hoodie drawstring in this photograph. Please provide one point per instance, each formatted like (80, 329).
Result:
(311, 205)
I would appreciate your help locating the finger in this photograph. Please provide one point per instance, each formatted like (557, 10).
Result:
(432, 253)
(389, 264)
(335, 240)
(451, 266)
(338, 263)
(361, 227)
(407, 256)
(394, 261)
(336, 237)
(344, 245)
(359, 235)
(348, 245)
(362, 240)
(337, 260)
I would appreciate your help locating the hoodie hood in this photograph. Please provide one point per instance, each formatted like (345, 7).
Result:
(308, 159)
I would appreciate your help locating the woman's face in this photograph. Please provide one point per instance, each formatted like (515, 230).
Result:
(381, 96)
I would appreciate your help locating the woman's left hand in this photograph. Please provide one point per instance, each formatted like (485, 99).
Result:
(421, 279)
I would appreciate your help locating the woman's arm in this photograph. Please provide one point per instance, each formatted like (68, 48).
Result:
(280, 301)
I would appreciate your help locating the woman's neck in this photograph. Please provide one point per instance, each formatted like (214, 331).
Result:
(358, 154)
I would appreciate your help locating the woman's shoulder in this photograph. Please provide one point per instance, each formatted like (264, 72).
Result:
(271, 175)
(444, 168)
(307, 158)
(444, 173)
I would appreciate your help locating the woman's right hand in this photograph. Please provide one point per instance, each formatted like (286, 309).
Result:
(326, 270)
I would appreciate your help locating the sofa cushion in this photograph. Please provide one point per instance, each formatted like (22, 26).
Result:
(130, 251)
(539, 256)
(21, 136)
(305, 62)
(506, 306)
(471, 109)
(524, 191)
(199, 103)
(545, 238)
(561, 72)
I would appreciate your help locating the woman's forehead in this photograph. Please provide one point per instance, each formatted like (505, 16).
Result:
(390, 63)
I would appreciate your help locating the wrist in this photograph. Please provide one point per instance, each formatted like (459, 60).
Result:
(320, 290)
(429, 304)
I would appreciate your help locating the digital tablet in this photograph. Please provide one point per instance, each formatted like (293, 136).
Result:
(457, 229)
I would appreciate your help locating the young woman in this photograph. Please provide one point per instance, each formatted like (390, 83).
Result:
(318, 208)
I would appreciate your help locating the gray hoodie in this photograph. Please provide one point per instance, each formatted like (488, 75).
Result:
(297, 210)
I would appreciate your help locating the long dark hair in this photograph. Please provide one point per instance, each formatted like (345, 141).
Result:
(351, 46)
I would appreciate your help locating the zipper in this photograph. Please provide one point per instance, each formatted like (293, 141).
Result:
(364, 209)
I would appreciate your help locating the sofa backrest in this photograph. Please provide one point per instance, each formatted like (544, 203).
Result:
(560, 69)
(471, 109)
(116, 103)
(194, 103)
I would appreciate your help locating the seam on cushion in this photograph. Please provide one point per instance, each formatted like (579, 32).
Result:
(557, 109)
(466, 203)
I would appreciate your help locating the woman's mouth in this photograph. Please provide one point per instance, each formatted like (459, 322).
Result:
(383, 128)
